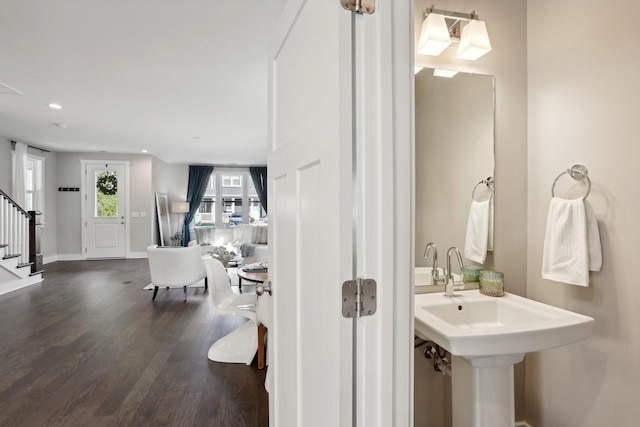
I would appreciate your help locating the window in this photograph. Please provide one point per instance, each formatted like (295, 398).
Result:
(34, 184)
(106, 202)
(237, 196)
(231, 181)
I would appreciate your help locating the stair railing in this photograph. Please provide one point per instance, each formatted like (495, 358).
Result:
(14, 228)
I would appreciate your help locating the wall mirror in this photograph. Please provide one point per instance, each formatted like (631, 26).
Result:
(454, 151)
(164, 221)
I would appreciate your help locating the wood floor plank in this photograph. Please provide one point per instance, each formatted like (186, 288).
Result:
(87, 346)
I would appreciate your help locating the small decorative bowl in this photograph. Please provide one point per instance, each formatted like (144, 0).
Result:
(470, 273)
(491, 283)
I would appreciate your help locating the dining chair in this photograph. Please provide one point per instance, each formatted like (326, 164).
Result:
(241, 345)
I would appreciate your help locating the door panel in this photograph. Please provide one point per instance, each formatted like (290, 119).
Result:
(310, 215)
(105, 210)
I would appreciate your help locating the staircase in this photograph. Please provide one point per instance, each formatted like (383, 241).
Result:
(15, 266)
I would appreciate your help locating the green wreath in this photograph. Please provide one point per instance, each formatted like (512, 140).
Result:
(107, 183)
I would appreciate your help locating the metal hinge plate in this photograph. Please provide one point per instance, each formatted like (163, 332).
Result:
(359, 6)
(359, 298)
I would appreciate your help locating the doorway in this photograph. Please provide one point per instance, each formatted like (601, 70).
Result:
(105, 209)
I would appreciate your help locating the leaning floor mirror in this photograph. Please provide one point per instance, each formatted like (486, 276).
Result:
(164, 221)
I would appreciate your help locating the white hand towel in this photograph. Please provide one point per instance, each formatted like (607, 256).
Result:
(571, 242)
(475, 246)
(593, 239)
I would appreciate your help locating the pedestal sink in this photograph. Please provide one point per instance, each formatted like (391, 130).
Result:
(487, 335)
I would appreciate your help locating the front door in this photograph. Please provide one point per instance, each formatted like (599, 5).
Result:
(310, 196)
(105, 210)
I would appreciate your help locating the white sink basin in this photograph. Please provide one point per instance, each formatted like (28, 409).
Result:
(486, 336)
(474, 325)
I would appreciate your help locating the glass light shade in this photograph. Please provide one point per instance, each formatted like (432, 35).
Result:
(434, 38)
(474, 41)
(179, 207)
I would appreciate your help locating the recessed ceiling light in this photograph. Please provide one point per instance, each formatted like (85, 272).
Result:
(144, 151)
(55, 106)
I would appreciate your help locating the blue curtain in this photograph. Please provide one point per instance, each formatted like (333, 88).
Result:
(198, 183)
(259, 176)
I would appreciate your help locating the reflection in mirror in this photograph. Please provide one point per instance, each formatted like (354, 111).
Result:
(454, 152)
(164, 222)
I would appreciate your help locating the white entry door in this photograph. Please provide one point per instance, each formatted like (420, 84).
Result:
(105, 210)
(339, 207)
(310, 196)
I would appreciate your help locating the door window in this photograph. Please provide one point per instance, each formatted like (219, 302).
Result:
(106, 202)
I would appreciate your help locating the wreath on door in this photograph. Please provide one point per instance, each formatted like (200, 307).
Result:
(107, 183)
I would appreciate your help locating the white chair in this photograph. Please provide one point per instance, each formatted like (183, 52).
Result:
(241, 345)
(175, 267)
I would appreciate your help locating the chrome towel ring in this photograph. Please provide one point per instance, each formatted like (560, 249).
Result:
(488, 182)
(577, 172)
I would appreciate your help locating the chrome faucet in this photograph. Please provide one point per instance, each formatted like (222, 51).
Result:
(435, 277)
(449, 282)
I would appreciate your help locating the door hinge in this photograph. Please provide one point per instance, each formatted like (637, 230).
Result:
(359, 6)
(359, 297)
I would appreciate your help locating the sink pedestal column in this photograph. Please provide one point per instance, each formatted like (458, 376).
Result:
(482, 390)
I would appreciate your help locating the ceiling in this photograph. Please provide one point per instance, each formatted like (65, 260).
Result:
(185, 80)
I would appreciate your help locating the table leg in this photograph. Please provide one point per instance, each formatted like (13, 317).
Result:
(260, 346)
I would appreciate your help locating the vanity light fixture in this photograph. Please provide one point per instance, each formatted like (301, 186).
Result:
(439, 72)
(434, 37)
(474, 42)
(471, 37)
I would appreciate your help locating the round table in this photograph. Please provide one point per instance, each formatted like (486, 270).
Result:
(251, 277)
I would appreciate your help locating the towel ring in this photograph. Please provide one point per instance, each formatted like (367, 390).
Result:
(577, 172)
(488, 182)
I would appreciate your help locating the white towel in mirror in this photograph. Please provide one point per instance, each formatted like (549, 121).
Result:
(476, 242)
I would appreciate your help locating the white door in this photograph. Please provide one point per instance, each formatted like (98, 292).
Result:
(340, 207)
(105, 210)
(310, 196)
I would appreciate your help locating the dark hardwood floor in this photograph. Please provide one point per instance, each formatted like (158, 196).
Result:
(88, 347)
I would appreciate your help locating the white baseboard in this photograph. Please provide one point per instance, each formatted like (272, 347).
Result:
(522, 424)
(79, 257)
(137, 254)
(69, 257)
(49, 259)
(19, 284)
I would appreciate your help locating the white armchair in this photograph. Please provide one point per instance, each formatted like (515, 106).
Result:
(241, 345)
(175, 267)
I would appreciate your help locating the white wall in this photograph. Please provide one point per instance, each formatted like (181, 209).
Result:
(5, 165)
(506, 24)
(584, 107)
